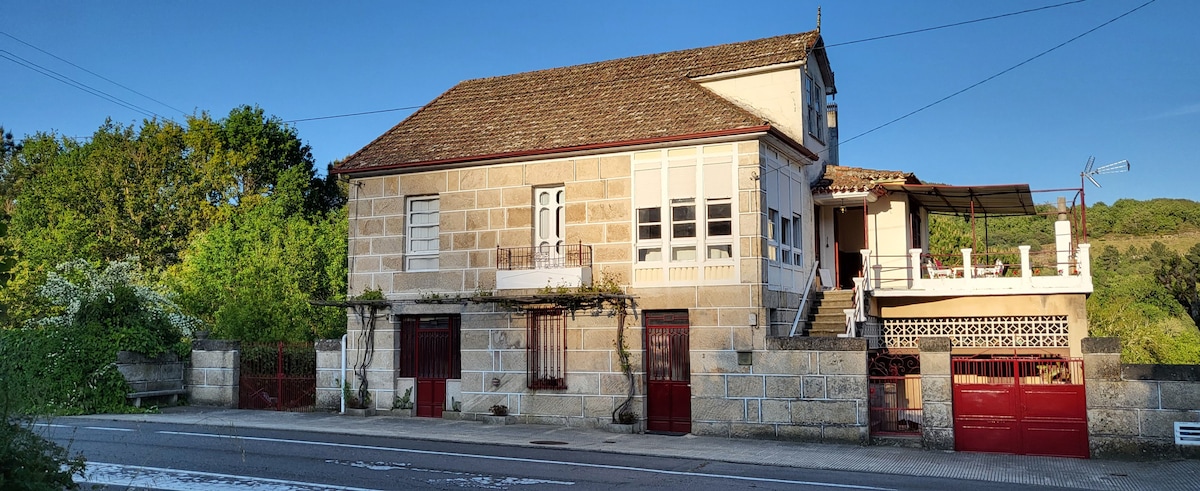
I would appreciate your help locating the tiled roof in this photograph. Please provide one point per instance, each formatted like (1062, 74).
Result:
(629, 99)
(851, 179)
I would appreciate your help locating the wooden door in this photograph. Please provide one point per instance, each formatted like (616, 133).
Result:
(668, 373)
(431, 357)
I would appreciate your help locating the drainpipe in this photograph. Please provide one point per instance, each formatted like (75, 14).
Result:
(343, 379)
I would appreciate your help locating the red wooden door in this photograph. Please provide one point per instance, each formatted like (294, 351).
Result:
(1020, 406)
(431, 356)
(668, 373)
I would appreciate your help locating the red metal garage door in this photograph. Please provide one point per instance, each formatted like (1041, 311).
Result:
(1027, 406)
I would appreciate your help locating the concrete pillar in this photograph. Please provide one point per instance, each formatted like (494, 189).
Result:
(212, 379)
(936, 395)
(329, 373)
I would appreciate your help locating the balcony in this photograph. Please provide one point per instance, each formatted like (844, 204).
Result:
(1063, 271)
(540, 267)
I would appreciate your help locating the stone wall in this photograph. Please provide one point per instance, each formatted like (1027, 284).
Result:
(329, 373)
(212, 379)
(159, 378)
(1132, 409)
(796, 389)
(937, 398)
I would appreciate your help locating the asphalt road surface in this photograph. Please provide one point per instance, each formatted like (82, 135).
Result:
(153, 456)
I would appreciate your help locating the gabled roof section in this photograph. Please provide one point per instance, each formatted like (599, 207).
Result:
(648, 97)
(856, 179)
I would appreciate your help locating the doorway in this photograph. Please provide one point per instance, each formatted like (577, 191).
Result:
(430, 354)
(668, 373)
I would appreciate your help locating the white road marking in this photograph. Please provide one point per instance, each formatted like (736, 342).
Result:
(104, 428)
(471, 480)
(532, 461)
(177, 480)
(47, 425)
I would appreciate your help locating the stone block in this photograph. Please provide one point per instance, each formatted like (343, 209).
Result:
(934, 345)
(813, 387)
(938, 414)
(589, 361)
(708, 385)
(472, 381)
(611, 253)
(782, 362)
(618, 232)
(724, 296)
(776, 411)
(1113, 422)
(512, 361)
(426, 183)
(715, 362)
(586, 190)
(846, 387)
(937, 438)
(752, 430)
(617, 384)
(551, 405)
(935, 363)
(505, 176)
(390, 206)
(1102, 367)
(509, 382)
(213, 396)
(799, 433)
(508, 339)
(709, 338)
(710, 428)
(482, 403)
(812, 412)
(718, 409)
(1180, 395)
(583, 383)
(477, 360)
(599, 338)
(1101, 345)
(518, 217)
(474, 339)
(615, 166)
(554, 172)
(220, 377)
(745, 385)
(841, 363)
(846, 434)
(618, 188)
(935, 388)
(1124, 394)
(1161, 424)
(600, 406)
(587, 169)
(780, 387)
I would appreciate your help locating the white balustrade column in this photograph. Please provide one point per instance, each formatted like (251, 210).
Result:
(914, 267)
(1026, 268)
(968, 268)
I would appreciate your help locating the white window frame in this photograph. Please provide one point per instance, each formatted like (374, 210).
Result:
(814, 95)
(713, 240)
(773, 234)
(418, 256)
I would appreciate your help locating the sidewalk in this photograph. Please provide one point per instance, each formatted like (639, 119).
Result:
(1015, 469)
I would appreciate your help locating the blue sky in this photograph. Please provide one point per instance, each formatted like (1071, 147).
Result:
(1130, 90)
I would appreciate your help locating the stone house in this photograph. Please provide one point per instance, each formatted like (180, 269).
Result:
(694, 200)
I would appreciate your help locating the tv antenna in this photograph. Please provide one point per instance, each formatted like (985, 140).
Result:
(1090, 170)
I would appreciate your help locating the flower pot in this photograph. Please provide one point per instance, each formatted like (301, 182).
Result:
(355, 411)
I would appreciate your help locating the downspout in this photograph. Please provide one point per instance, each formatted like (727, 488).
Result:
(343, 379)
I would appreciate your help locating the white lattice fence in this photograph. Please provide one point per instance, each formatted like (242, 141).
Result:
(1038, 331)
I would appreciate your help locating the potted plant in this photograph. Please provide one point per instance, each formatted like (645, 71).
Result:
(625, 422)
(356, 406)
(454, 411)
(499, 415)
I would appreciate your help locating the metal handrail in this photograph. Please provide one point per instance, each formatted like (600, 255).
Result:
(857, 316)
(812, 274)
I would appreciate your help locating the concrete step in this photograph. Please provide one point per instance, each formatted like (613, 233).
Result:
(838, 318)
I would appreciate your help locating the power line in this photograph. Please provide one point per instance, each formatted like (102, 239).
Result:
(102, 77)
(534, 90)
(1002, 72)
(79, 85)
(955, 24)
(352, 114)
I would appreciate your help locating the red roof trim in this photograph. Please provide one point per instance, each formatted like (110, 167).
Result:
(643, 141)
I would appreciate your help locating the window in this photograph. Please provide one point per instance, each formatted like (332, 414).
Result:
(720, 229)
(683, 226)
(549, 226)
(797, 242)
(814, 98)
(785, 237)
(422, 238)
(649, 234)
(546, 349)
(772, 239)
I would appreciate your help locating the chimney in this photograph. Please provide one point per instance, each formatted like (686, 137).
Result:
(831, 116)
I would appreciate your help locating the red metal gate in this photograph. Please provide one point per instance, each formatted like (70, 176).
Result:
(277, 376)
(668, 373)
(1029, 406)
(430, 354)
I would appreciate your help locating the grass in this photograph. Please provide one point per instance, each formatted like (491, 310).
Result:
(1179, 243)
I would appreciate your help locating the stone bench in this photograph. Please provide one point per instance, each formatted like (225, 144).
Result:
(172, 394)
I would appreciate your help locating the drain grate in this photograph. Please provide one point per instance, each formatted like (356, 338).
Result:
(547, 442)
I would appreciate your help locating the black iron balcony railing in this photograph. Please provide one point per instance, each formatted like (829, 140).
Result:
(544, 257)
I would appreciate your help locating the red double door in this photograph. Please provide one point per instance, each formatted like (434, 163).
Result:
(430, 354)
(668, 373)
(1020, 406)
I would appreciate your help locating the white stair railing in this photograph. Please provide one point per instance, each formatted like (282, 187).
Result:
(812, 275)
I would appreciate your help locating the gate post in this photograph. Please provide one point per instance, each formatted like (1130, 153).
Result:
(936, 394)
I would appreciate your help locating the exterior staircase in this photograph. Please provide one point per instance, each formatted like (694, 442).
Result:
(827, 318)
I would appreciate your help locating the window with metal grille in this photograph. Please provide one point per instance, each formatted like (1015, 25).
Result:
(428, 347)
(546, 349)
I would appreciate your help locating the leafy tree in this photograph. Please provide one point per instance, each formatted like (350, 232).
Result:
(252, 276)
(29, 462)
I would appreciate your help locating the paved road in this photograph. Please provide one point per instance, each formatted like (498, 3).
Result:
(124, 454)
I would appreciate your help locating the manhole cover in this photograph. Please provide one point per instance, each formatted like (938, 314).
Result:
(547, 442)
